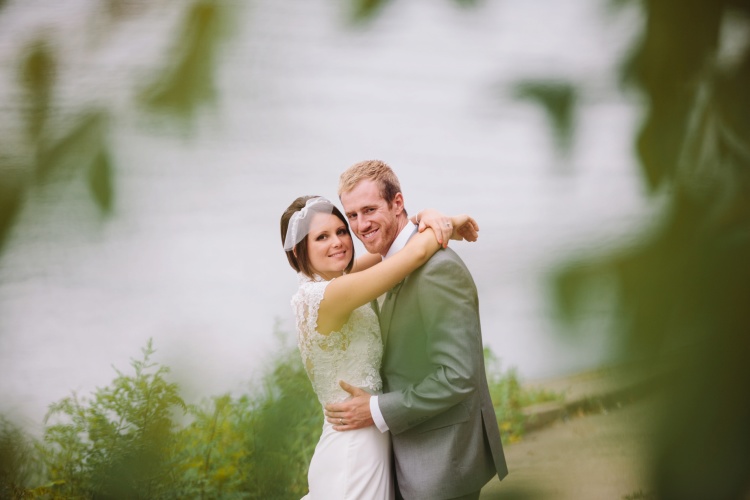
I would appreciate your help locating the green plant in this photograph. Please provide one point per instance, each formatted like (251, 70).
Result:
(285, 425)
(123, 442)
(509, 398)
(639, 495)
(19, 462)
(256, 446)
(120, 443)
(212, 451)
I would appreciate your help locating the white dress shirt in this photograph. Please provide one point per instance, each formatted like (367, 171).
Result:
(398, 244)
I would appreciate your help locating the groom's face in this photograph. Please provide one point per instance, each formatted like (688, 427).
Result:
(370, 217)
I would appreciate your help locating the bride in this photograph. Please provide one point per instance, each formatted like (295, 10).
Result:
(339, 336)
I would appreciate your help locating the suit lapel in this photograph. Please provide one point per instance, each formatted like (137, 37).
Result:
(386, 312)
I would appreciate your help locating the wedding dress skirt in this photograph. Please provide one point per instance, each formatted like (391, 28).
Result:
(352, 465)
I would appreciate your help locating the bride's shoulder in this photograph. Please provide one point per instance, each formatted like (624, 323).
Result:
(311, 286)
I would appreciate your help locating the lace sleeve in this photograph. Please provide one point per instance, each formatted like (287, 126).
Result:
(306, 304)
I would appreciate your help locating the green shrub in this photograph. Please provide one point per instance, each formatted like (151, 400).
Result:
(120, 443)
(212, 450)
(123, 441)
(256, 446)
(510, 398)
(19, 462)
(286, 423)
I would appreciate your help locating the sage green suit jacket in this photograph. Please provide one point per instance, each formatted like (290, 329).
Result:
(435, 400)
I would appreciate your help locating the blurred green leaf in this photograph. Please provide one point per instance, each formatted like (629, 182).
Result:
(679, 40)
(100, 181)
(84, 147)
(558, 100)
(468, 3)
(364, 10)
(37, 74)
(79, 146)
(569, 284)
(12, 189)
(615, 5)
(121, 9)
(188, 81)
(683, 290)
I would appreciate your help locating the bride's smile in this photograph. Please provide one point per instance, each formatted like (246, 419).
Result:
(329, 245)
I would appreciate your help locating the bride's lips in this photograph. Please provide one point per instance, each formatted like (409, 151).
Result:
(342, 253)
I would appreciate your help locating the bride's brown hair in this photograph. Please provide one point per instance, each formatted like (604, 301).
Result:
(298, 257)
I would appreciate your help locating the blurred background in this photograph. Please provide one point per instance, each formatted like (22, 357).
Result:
(178, 238)
(149, 148)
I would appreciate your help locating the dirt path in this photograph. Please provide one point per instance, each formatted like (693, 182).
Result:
(596, 457)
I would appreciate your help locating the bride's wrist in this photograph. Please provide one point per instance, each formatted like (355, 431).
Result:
(417, 217)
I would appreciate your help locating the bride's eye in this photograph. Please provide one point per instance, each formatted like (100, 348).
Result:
(341, 232)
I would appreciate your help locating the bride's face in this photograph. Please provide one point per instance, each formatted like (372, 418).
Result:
(329, 245)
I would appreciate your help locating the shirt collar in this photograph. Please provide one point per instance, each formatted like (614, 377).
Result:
(400, 241)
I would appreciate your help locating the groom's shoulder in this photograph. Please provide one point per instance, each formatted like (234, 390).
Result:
(445, 258)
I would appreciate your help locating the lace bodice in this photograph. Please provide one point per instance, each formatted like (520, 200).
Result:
(351, 354)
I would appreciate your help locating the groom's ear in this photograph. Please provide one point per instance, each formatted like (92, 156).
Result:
(398, 203)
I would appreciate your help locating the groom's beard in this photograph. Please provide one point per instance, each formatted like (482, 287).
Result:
(383, 239)
(380, 242)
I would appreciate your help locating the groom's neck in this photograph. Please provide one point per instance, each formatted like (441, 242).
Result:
(402, 222)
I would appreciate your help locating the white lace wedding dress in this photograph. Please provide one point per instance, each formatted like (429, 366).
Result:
(346, 464)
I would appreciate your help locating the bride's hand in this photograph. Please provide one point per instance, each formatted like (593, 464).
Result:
(459, 227)
(441, 224)
(464, 228)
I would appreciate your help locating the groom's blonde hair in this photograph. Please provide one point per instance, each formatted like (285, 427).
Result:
(374, 170)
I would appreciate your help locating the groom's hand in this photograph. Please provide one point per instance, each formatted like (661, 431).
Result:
(354, 413)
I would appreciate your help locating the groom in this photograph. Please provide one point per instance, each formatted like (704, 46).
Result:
(436, 402)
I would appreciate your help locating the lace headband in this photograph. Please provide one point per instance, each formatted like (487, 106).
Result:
(299, 222)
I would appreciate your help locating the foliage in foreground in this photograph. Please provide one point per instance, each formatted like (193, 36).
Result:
(18, 464)
(121, 441)
(124, 440)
